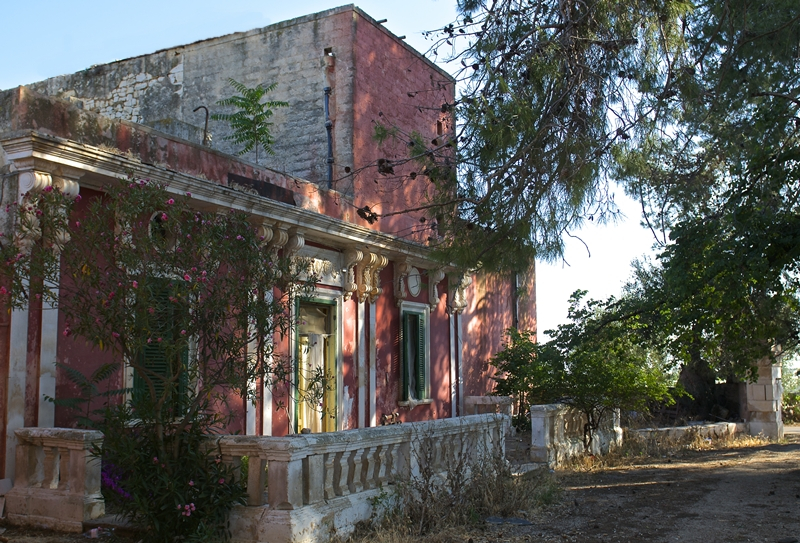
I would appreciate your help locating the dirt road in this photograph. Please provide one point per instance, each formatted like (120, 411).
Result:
(735, 495)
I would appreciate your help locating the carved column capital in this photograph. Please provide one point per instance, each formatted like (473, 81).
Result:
(434, 278)
(264, 232)
(33, 182)
(364, 273)
(456, 292)
(280, 236)
(380, 262)
(352, 257)
(401, 270)
(295, 242)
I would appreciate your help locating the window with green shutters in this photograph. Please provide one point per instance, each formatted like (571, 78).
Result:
(163, 358)
(414, 355)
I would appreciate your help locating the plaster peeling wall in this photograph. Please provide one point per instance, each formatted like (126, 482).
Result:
(162, 89)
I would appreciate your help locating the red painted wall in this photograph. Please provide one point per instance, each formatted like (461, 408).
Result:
(397, 88)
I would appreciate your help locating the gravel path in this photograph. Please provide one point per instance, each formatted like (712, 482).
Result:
(734, 495)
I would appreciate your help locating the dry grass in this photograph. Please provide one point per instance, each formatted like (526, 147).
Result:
(442, 508)
(637, 449)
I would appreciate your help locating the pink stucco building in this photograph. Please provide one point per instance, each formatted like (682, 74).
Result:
(85, 130)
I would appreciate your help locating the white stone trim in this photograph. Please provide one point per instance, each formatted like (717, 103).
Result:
(425, 309)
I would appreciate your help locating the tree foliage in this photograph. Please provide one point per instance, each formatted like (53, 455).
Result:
(590, 364)
(692, 106)
(250, 120)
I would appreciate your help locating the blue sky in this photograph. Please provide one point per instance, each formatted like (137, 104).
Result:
(47, 38)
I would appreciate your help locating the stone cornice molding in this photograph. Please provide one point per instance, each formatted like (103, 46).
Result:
(50, 153)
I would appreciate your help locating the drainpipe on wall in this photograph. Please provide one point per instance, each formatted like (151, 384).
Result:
(329, 130)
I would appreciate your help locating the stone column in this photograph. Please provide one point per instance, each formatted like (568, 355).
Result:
(764, 401)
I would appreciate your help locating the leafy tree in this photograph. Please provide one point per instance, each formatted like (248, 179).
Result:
(692, 105)
(590, 364)
(188, 300)
(250, 122)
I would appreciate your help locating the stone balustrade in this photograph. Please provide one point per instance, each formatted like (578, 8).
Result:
(301, 488)
(310, 487)
(57, 481)
(557, 434)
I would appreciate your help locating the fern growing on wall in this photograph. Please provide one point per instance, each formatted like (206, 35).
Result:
(250, 122)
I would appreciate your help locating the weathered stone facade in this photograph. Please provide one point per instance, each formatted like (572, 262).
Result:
(303, 56)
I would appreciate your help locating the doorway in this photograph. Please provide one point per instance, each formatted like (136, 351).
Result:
(316, 368)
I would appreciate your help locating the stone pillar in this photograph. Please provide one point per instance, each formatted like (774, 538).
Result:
(764, 401)
(543, 430)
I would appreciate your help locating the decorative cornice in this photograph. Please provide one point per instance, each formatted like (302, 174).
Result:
(50, 153)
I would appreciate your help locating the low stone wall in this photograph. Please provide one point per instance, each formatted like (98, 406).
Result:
(708, 430)
(312, 487)
(301, 488)
(557, 434)
(57, 482)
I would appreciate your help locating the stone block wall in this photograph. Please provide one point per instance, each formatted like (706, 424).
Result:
(557, 434)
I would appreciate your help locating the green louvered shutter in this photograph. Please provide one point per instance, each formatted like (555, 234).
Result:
(404, 358)
(420, 357)
(155, 358)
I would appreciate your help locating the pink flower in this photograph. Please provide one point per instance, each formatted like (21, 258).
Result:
(151, 310)
(163, 216)
(189, 194)
(191, 483)
(78, 198)
(135, 284)
(67, 332)
(116, 335)
(77, 224)
(180, 507)
(158, 340)
(187, 277)
(3, 290)
(155, 460)
(48, 189)
(149, 340)
(170, 201)
(183, 332)
(222, 481)
(192, 506)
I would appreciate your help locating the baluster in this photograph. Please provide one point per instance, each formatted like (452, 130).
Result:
(50, 465)
(356, 464)
(343, 481)
(370, 464)
(382, 468)
(330, 472)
